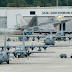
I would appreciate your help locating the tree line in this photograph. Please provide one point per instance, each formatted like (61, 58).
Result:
(34, 3)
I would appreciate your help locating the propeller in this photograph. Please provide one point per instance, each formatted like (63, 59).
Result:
(15, 55)
(30, 33)
(69, 33)
(69, 38)
(64, 38)
(28, 54)
(44, 47)
(27, 37)
(39, 49)
(25, 33)
(32, 48)
(40, 32)
(26, 48)
(2, 49)
(33, 39)
(45, 33)
(38, 37)
(8, 48)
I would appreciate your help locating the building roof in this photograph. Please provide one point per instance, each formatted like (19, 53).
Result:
(55, 7)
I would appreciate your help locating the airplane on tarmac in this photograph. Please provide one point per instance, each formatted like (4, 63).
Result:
(21, 52)
(49, 39)
(50, 24)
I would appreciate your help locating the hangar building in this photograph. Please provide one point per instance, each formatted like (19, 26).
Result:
(8, 15)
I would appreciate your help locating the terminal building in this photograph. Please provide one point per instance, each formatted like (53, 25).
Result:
(8, 15)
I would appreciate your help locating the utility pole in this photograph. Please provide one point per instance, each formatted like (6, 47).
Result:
(57, 2)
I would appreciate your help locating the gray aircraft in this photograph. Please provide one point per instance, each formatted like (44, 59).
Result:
(49, 39)
(20, 51)
(50, 24)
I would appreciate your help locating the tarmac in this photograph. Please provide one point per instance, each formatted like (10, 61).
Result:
(41, 62)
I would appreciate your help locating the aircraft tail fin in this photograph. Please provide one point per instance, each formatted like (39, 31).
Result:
(20, 22)
(33, 22)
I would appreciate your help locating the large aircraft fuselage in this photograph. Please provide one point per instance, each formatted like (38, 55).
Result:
(49, 40)
(4, 57)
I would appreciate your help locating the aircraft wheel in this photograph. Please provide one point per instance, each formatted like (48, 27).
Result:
(53, 44)
(7, 62)
(18, 56)
(71, 56)
(0, 62)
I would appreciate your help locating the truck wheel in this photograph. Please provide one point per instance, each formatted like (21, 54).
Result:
(62, 57)
(65, 56)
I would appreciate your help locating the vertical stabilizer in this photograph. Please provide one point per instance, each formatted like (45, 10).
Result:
(33, 22)
(20, 21)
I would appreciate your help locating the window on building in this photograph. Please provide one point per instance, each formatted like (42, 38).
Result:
(32, 12)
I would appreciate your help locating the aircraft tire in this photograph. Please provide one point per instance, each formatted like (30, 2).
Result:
(53, 44)
(7, 62)
(0, 62)
(71, 56)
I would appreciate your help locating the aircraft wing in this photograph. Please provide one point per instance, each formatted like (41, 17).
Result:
(40, 52)
(8, 46)
(46, 46)
(12, 52)
(37, 46)
(50, 24)
(28, 36)
(53, 32)
(62, 36)
(65, 20)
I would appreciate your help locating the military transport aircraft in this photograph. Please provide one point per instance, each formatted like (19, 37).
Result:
(20, 51)
(49, 39)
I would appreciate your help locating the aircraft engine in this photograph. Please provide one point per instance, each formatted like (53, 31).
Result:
(38, 37)
(39, 49)
(32, 48)
(33, 39)
(44, 48)
(27, 37)
(69, 38)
